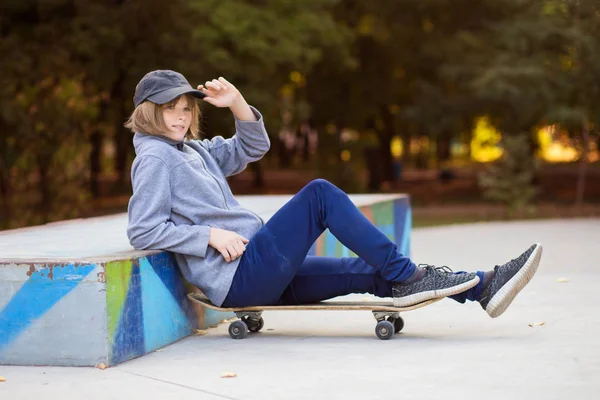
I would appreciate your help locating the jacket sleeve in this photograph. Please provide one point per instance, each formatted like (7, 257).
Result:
(250, 143)
(149, 211)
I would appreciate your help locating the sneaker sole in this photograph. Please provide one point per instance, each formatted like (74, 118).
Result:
(507, 293)
(434, 294)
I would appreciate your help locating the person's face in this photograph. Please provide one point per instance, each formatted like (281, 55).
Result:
(178, 118)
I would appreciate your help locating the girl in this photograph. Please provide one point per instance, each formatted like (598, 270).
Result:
(182, 203)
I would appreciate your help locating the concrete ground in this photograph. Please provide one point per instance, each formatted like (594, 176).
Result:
(446, 351)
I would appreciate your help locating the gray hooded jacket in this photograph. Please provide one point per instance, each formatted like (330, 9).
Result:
(180, 191)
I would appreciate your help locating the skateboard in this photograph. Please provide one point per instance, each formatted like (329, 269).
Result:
(387, 315)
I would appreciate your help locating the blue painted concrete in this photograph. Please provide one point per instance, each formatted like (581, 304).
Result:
(45, 287)
(129, 339)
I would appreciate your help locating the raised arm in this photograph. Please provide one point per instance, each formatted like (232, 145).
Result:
(250, 142)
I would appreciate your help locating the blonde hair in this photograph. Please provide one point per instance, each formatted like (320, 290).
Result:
(147, 118)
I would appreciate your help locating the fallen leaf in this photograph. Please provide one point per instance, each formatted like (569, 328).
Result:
(562, 280)
(228, 375)
(536, 324)
(2, 379)
(101, 366)
(199, 332)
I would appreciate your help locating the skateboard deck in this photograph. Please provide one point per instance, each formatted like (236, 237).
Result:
(387, 315)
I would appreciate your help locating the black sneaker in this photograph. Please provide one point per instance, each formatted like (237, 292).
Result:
(435, 283)
(508, 280)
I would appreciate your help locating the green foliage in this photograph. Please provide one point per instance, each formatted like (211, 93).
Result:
(257, 45)
(45, 115)
(510, 181)
(408, 67)
(69, 70)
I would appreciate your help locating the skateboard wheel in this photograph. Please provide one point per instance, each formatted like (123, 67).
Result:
(384, 330)
(238, 330)
(398, 324)
(254, 326)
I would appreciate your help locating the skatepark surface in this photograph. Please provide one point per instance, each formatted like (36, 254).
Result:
(545, 346)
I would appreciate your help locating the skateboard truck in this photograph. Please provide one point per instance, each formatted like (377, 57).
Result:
(388, 323)
(249, 321)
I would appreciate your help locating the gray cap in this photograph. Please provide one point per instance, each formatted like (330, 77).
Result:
(162, 86)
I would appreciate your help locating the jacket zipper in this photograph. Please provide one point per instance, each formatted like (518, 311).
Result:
(217, 182)
(223, 192)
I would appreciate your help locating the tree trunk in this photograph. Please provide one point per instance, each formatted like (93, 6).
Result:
(123, 137)
(4, 196)
(371, 155)
(406, 139)
(45, 203)
(259, 179)
(96, 141)
(387, 170)
(282, 153)
(582, 167)
(123, 142)
(385, 152)
(466, 140)
(442, 149)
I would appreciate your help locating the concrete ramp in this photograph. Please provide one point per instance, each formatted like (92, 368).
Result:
(75, 293)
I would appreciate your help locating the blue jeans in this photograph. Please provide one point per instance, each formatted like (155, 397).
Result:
(275, 268)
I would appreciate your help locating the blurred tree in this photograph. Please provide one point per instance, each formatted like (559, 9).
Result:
(510, 181)
(265, 48)
(359, 92)
(44, 115)
(115, 44)
(578, 107)
(68, 70)
(543, 69)
(401, 76)
(442, 40)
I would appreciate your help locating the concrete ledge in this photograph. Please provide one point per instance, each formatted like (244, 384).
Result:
(75, 293)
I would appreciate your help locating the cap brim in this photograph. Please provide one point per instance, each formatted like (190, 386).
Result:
(171, 94)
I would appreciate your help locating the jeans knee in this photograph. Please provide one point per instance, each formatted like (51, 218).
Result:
(320, 183)
(320, 188)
